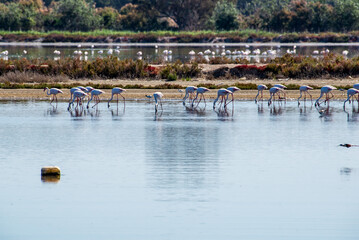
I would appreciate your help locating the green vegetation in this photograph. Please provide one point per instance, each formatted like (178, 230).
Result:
(311, 16)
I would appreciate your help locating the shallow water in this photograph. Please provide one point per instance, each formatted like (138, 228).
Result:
(179, 51)
(258, 172)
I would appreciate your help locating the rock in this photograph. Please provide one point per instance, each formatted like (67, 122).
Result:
(50, 171)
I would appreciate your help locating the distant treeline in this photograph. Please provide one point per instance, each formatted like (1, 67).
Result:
(190, 15)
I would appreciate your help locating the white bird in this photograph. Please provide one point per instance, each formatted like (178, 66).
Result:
(92, 46)
(305, 89)
(325, 90)
(165, 52)
(117, 51)
(25, 52)
(79, 46)
(221, 93)
(158, 99)
(79, 95)
(233, 90)
(189, 93)
(207, 52)
(95, 93)
(110, 51)
(200, 53)
(100, 52)
(57, 52)
(169, 52)
(350, 93)
(260, 88)
(281, 86)
(315, 52)
(273, 91)
(200, 91)
(192, 53)
(53, 92)
(345, 52)
(139, 53)
(72, 90)
(117, 91)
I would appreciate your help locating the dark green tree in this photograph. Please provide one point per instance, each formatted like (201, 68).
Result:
(225, 16)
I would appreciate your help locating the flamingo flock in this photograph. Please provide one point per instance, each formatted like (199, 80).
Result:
(194, 95)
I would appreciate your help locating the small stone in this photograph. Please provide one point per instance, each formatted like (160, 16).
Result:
(50, 171)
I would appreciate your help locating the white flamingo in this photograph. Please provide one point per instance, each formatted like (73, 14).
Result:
(273, 91)
(233, 90)
(221, 93)
(117, 91)
(200, 91)
(281, 86)
(79, 95)
(325, 90)
(72, 90)
(53, 92)
(260, 88)
(158, 99)
(350, 93)
(305, 89)
(189, 93)
(95, 93)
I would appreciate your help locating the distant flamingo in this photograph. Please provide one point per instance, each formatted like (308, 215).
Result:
(158, 99)
(222, 93)
(260, 90)
(189, 93)
(53, 92)
(325, 90)
(72, 90)
(305, 89)
(273, 91)
(117, 91)
(79, 95)
(233, 90)
(95, 94)
(200, 90)
(350, 93)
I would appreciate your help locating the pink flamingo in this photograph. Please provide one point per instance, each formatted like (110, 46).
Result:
(233, 90)
(158, 99)
(117, 91)
(281, 86)
(325, 90)
(95, 94)
(260, 90)
(189, 93)
(305, 89)
(79, 95)
(222, 93)
(350, 93)
(273, 91)
(53, 92)
(72, 90)
(200, 90)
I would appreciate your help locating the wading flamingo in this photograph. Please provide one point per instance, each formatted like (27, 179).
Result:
(53, 92)
(222, 93)
(281, 86)
(117, 91)
(95, 93)
(350, 93)
(325, 90)
(72, 90)
(189, 93)
(200, 90)
(232, 89)
(273, 91)
(79, 95)
(305, 89)
(158, 99)
(260, 88)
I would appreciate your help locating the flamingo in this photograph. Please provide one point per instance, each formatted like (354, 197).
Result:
(325, 90)
(158, 99)
(117, 91)
(95, 94)
(232, 89)
(281, 86)
(72, 90)
(305, 89)
(200, 90)
(272, 92)
(79, 95)
(54, 92)
(350, 93)
(189, 93)
(260, 88)
(222, 93)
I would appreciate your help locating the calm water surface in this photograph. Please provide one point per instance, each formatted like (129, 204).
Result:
(259, 173)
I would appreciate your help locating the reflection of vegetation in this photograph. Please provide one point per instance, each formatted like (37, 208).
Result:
(288, 66)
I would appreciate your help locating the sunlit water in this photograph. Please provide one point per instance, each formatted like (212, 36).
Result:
(179, 52)
(257, 172)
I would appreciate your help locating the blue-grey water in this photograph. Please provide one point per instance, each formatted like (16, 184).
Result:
(257, 172)
(179, 51)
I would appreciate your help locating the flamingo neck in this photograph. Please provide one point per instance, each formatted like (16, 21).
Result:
(47, 91)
